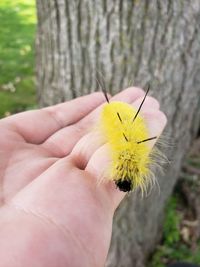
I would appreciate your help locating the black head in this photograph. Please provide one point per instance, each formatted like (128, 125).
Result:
(124, 185)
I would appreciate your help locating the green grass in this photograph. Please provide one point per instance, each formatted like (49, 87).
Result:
(172, 248)
(17, 34)
(171, 233)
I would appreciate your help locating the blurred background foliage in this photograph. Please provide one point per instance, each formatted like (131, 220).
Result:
(181, 234)
(17, 81)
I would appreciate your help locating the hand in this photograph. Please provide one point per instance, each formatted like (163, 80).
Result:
(53, 212)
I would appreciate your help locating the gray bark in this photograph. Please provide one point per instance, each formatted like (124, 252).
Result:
(129, 42)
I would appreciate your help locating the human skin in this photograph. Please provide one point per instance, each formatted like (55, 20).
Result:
(54, 213)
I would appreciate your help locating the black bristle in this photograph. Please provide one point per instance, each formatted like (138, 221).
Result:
(148, 139)
(119, 117)
(125, 137)
(141, 103)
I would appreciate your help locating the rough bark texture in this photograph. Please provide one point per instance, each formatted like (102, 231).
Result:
(129, 42)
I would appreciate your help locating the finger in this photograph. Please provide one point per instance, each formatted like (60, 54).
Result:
(36, 126)
(100, 160)
(90, 142)
(150, 102)
(62, 142)
(129, 95)
(156, 121)
(98, 167)
(22, 173)
(85, 147)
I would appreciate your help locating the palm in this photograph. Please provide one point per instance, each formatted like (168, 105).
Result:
(49, 187)
(30, 161)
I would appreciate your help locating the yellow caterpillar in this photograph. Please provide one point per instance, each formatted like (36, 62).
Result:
(126, 133)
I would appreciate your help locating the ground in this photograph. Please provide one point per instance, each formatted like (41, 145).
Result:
(181, 234)
(181, 230)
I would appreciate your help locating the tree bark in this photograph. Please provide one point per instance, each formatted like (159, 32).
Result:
(128, 43)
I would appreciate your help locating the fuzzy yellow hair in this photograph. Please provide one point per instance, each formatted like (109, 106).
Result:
(126, 133)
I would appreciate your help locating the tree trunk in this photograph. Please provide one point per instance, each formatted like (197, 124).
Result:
(128, 42)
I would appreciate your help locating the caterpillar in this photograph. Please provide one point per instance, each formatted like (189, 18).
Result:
(127, 136)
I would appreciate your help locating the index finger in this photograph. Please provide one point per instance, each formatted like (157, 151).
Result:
(37, 125)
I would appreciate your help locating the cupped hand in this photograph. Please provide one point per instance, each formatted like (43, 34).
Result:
(53, 210)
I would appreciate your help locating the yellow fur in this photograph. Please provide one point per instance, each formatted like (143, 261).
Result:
(128, 157)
